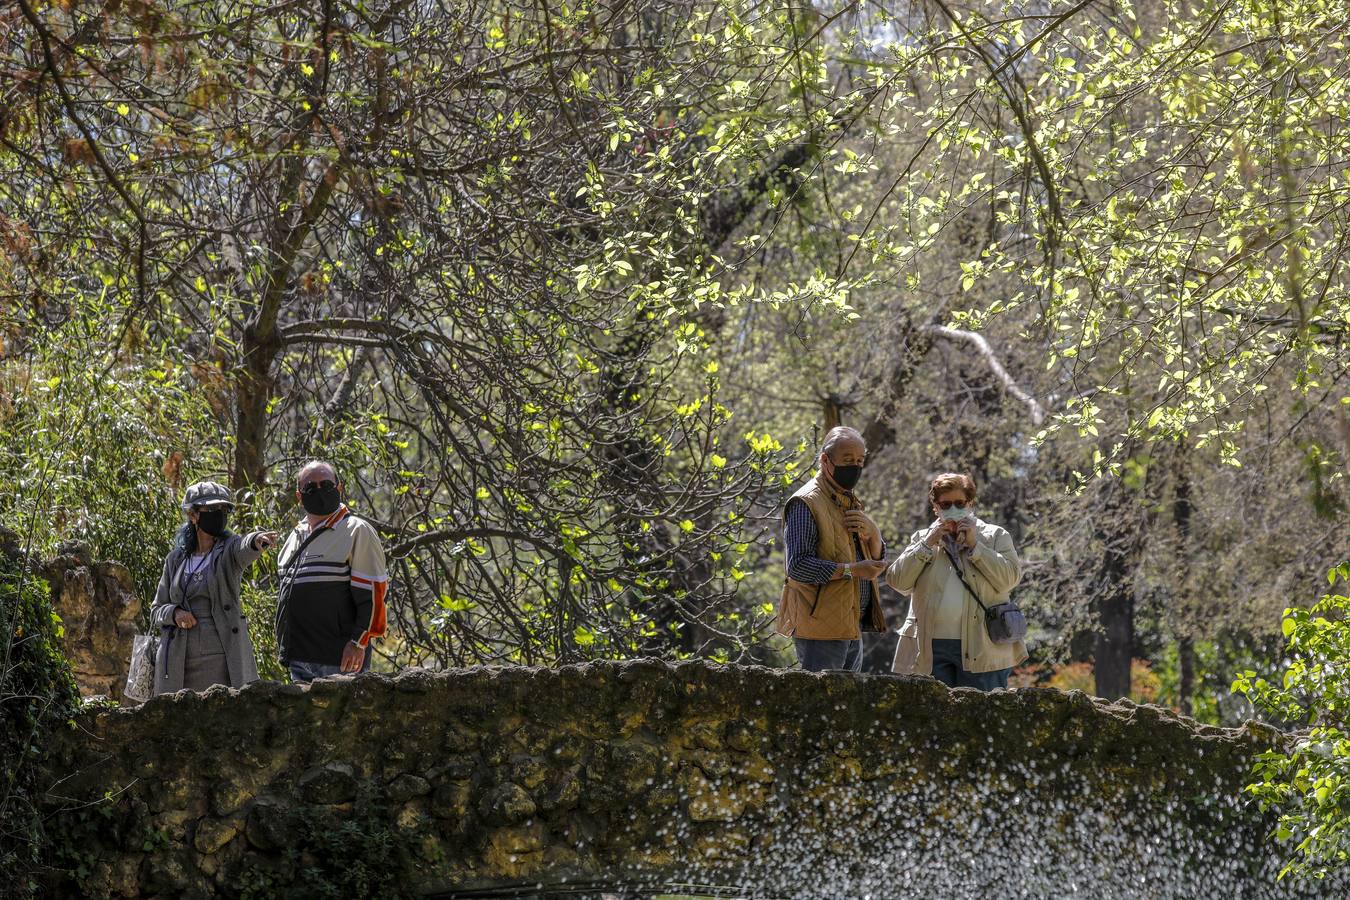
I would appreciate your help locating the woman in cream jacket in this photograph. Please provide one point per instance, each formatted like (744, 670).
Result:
(944, 635)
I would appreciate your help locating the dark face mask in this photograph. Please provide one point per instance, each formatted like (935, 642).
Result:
(212, 521)
(322, 499)
(847, 476)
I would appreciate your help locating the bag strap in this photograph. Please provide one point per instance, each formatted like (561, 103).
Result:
(956, 568)
(293, 568)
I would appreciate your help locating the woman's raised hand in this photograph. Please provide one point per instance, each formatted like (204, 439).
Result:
(934, 536)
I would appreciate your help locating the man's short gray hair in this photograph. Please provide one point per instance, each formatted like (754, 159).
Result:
(838, 435)
(311, 466)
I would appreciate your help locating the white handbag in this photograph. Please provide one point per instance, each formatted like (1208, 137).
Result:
(141, 674)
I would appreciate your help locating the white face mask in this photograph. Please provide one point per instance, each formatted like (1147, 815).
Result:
(954, 513)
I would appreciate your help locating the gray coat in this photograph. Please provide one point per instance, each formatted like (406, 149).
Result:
(230, 558)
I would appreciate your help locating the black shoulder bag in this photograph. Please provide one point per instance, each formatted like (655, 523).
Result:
(1003, 621)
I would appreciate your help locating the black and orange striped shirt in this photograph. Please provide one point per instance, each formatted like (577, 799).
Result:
(334, 593)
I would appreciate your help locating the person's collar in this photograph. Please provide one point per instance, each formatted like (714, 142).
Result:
(835, 490)
(332, 519)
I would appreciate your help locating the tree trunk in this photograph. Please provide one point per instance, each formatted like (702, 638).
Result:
(1181, 515)
(253, 391)
(1186, 681)
(261, 345)
(1114, 644)
(833, 413)
(1115, 641)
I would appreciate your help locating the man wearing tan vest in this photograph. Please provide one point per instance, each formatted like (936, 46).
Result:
(834, 556)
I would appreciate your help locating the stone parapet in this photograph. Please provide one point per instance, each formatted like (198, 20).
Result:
(781, 782)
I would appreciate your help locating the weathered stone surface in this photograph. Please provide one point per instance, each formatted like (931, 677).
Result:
(565, 794)
(212, 834)
(516, 851)
(634, 765)
(405, 787)
(230, 796)
(528, 772)
(411, 816)
(506, 804)
(116, 877)
(171, 872)
(741, 737)
(98, 606)
(265, 825)
(331, 783)
(706, 802)
(453, 800)
(692, 771)
(753, 768)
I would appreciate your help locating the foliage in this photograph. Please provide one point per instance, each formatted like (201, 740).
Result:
(359, 245)
(260, 607)
(37, 695)
(1215, 664)
(1146, 186)
(354, 858)
(558, 300)
(83, 835)
(1309, 785)
(1028, 178)
(98, 453)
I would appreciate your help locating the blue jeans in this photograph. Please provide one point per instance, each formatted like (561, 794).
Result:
(305, 672)
(818, 656)
(947, 669)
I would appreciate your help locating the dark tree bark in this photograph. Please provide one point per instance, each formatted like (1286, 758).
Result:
(262, 344)
(1186, 682)
(1114, 646)
(1182, 508)
(1115, 641)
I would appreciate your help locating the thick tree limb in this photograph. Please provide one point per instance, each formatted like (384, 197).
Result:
(979, 342)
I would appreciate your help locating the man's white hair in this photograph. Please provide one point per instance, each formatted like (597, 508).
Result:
(840, 434)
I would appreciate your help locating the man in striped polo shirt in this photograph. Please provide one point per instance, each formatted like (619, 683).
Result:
(333, 583)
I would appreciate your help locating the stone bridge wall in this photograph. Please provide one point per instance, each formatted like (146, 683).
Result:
(782, 782)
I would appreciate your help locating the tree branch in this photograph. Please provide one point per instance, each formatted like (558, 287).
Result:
(979, 342)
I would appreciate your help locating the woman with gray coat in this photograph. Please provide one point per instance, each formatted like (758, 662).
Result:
(204, 635)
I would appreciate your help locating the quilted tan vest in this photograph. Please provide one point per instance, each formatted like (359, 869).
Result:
(828, 612)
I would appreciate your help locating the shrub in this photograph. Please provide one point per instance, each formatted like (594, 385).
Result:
(37, 695)
(1309, 784)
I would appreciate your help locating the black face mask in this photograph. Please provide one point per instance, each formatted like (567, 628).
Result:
(212, 521)
(847, 476)
(321, 499)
